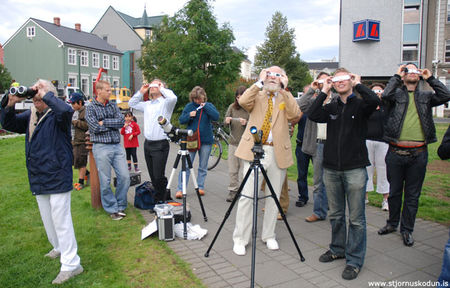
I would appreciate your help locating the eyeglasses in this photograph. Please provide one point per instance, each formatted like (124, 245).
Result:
(273, 74)
(378, 90)
(340, 78)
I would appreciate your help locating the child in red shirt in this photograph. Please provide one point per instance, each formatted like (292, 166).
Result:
(130, 131)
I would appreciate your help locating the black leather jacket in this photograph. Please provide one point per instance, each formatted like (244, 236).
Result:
(397, 99)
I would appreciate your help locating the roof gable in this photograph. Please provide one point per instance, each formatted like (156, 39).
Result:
(76, 38)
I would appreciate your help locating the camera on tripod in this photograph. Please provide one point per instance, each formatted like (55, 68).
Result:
(23, 91)
(173, 132)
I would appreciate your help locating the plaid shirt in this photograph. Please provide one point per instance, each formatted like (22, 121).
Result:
(113, 121)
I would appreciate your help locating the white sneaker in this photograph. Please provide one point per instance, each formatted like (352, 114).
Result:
(272, 244)
(53, 254)
(385, 205)
(239, 249)
(63, 276)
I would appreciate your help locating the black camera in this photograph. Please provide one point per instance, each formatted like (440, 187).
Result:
(173, 132)
(23, 91)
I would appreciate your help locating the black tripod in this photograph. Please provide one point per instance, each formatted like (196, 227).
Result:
(183, 154)
(258, 153)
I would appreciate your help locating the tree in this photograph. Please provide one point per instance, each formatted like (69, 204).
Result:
(189, 49)
(279, 49)
(5, 78)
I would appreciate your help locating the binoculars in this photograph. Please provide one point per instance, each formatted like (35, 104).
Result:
(23, 91)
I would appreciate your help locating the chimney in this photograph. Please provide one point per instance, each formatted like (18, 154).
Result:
(56, 21)
(78, 27)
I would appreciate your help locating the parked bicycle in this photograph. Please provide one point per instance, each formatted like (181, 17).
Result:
(216, 151)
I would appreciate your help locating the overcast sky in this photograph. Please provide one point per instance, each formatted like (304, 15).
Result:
(315, 21)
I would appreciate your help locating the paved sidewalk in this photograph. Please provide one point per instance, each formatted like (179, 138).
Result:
(386, 258)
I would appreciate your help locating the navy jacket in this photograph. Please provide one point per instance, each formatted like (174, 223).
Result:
(209, 114)
(49, 151)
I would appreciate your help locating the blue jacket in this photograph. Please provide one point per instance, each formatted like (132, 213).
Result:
(49, 151)
(209, 114)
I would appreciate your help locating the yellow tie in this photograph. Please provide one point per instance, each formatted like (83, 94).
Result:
(267, 120)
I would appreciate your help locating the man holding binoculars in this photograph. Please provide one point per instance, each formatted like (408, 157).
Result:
(48, 152)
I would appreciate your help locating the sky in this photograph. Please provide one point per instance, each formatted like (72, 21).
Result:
(316, 23)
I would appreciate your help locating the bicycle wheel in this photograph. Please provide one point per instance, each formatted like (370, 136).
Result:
(215, 155)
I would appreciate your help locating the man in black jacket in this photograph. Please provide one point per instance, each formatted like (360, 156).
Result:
(409, 128)
(344, 162)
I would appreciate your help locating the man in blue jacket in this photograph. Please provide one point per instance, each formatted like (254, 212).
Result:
(49, 162)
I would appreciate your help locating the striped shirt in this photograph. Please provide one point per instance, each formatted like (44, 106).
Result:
(113, 121)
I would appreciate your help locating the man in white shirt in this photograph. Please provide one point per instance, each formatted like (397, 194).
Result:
(161, 102)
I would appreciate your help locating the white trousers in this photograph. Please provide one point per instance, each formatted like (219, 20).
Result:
(244, 214)
(377, 152)
(57, 219)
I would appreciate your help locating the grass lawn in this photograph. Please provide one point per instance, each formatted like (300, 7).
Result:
(111, 252)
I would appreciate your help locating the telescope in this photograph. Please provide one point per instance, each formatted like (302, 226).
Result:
(173, 132)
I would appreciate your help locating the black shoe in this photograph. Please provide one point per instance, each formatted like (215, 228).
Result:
(300, 203)
(408, 240)
(386, 229)
(329, 256)
(350, 272)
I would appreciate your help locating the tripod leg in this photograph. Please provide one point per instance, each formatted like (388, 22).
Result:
(254, 226)
(172, 174)
(194, 180)
(227, 214)
(183, 176)
(275, 198)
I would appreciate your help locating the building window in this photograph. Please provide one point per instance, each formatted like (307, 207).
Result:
(148, 33)
(411, 15)
(85, 85)
(448, 12)
(84, 58)
(447, 51)
(95, 60)
(72, 81)
(115, 60)
(115, 83)
(411, 33)
(31, 31)
(410, 53)
(72, 55)
(106, 61)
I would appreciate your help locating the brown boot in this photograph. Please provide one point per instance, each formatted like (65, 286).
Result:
(313, 218)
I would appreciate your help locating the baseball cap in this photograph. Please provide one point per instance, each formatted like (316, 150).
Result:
(75, 97)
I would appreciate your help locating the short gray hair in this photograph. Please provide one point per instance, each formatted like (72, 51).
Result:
(48, 86)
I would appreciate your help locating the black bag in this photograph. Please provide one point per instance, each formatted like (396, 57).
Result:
(135, 178)
(144, 196)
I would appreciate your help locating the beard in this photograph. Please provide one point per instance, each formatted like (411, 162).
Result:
(272, 87)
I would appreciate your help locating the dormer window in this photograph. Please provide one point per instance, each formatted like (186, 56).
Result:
(31, 31)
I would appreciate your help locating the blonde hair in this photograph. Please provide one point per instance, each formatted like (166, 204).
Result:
(101, 84)
(198, 92)
(342, 69)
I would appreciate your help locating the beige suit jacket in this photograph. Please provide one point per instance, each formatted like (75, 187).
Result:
(285, 109)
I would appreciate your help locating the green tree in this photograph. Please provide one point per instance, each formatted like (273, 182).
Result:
(189, 49)
(5, 78)
(279, 49)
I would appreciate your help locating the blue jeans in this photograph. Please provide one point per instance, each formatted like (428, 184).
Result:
(204, 152)
(347, 185)
(405, 175)
(302, 172)
(107, 156)
(319, 193)
(445, 273)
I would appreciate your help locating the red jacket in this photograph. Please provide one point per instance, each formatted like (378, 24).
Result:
(132, 129)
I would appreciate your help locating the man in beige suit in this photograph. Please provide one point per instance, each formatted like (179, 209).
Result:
(275, 115)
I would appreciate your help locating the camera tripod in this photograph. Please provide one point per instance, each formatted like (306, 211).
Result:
(255, 165)
(186, 162)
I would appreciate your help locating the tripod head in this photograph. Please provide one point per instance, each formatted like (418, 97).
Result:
(257, 149)
(174, 133)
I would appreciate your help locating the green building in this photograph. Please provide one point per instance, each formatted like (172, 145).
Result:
(50, 51)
